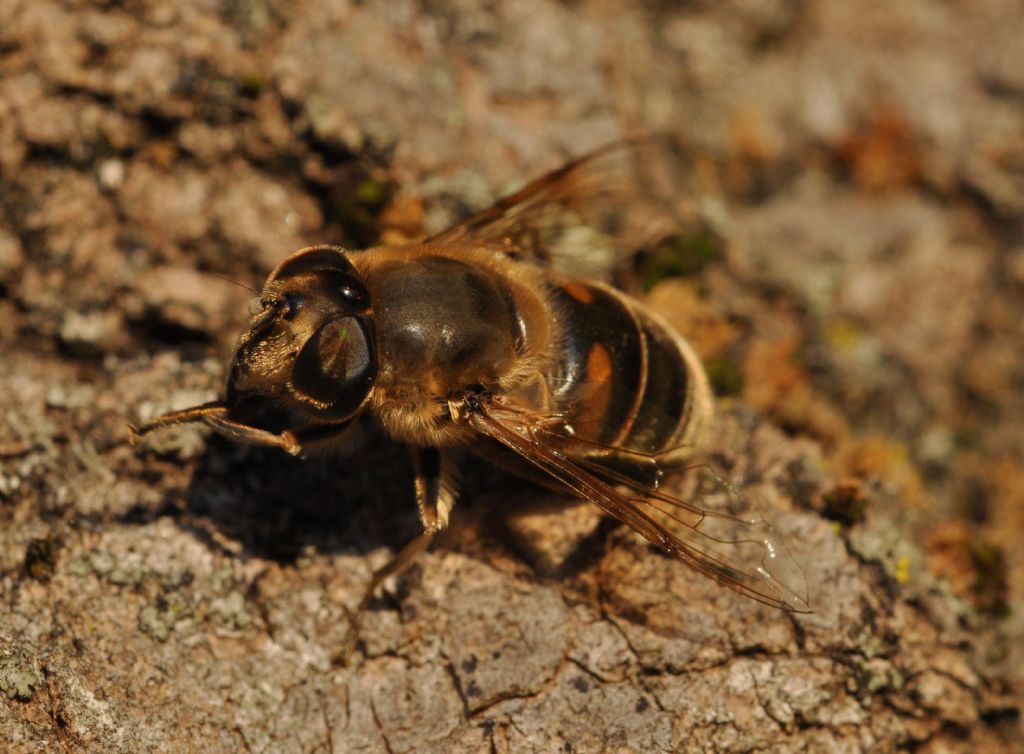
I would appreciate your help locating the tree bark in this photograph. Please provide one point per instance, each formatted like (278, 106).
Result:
(193, 595)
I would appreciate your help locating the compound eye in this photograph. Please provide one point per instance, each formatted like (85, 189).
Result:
(336, 367)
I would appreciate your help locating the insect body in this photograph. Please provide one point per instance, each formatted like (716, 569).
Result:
(474, 341)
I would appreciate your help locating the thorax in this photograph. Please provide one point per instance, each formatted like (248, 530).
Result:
(449, 319)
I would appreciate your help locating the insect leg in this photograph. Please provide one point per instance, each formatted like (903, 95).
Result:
(396, 565)
(215, 415)
(185, 416)
(435, 486)
(435, 496)
(244, 433)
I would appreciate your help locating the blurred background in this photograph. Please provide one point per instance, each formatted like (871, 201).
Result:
(862, 288)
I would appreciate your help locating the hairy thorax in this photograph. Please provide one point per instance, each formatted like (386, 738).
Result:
(447, 323)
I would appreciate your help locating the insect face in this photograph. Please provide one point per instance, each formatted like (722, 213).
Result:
(311, 347)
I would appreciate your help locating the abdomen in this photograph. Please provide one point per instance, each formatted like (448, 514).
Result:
(623, 377)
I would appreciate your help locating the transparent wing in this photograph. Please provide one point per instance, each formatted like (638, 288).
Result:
(589, 215)
(723, 537)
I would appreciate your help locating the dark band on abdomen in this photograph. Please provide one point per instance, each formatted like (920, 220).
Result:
(622, 376)
(665, 405)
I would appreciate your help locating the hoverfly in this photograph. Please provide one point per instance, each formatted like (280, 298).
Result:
(476, 340)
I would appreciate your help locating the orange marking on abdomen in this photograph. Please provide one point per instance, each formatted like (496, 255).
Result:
(579, 292)
(593, 407)
(599, 364)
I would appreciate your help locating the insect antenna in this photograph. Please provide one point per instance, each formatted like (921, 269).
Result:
(236, 282)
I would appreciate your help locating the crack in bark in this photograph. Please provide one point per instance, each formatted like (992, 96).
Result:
(327, 722)
(380, 727)
(53, 695)
(546, 686)
(457, 684)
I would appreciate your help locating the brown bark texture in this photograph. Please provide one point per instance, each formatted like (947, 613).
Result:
(858, 305)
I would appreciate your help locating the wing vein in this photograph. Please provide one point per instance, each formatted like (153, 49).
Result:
(513, 429)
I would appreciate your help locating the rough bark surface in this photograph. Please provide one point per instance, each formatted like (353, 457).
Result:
(859, 308)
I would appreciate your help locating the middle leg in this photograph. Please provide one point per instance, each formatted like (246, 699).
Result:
(435, 483)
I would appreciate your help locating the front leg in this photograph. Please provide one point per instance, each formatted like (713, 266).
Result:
(215, 416)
